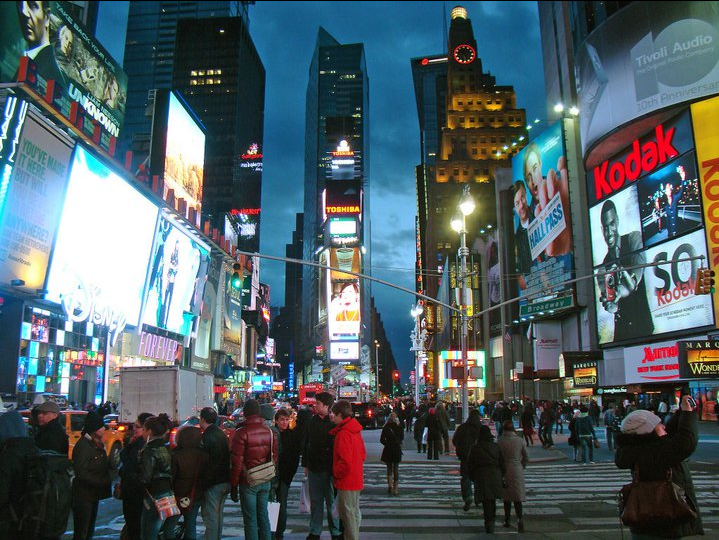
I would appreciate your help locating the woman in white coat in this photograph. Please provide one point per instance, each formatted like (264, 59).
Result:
(514, 454)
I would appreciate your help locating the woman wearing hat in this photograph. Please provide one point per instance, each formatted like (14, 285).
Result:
(645, 447)
(92, 477)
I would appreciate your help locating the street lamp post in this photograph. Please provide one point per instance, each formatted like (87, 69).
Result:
(417, 347)
(459, 224)
(376, 368)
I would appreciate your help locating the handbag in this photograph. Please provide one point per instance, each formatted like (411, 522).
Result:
(185, 503)
(654, 504)
(166, 506)
(264, 472)
(596, 443)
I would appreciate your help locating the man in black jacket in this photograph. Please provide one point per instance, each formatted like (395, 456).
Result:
(463, 440)
(217, 482)
(317, 461)
(50, 434)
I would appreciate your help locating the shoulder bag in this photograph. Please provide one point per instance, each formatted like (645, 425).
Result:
(654, 504)
(264, 472)
(166, 505)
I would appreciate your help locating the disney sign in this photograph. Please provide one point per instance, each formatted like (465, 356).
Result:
(85, 303)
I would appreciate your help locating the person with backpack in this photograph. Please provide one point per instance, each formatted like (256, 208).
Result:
(92, 481)
(50, 434)
(464, 438)
(132, 491)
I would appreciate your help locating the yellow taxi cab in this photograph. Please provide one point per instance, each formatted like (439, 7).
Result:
(74, 421)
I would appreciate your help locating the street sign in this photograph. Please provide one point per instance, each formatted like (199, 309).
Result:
(546, 305)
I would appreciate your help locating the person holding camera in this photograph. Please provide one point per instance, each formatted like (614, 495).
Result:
(623, 290)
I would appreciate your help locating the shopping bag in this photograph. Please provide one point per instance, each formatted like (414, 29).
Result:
(273, 509)
(335, 508)
(424, 435)
(304, 497)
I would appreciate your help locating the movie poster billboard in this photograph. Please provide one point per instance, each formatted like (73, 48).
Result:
(699, 359)
(494, 280)
(344, 315)
(31, 197)
(543, 225)
(176, 278)
(208, 333)
(43, 41)
(647, 210)
(232, 317)
(100, 259)
(644, 60)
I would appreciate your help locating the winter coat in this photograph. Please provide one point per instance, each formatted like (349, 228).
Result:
(583, 426)
(12, 479)
(348, 455)
(486, 468)
(214, 442)
(189, 466)
(434, 430)
(465, 436)
(92, 471)
(156, 467)
(132, 488)
(317, 451)
(651, 456)
(573, 439)
(289, 456)
(253, 444)
(527, 422)
(391, 438)
(442, 417)
(419, 425)
(515, 457)
(52, 436)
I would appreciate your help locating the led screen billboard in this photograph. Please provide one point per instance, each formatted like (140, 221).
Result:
(343, 351)
(32, 187)
(176, 278)
(344, 315)
(543, 224)
(346, 260)
(645, 59)
(449, 359)
(104, 241)
(43, 41)
(232, 317)
(645, 209)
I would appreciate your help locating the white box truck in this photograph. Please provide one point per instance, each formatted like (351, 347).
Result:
(177, 391)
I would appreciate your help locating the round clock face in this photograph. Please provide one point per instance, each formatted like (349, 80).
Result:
(464, 54)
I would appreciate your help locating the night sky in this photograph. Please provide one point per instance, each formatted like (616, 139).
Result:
(285, 35)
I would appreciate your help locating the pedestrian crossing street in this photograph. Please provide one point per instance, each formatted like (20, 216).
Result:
(560, 497)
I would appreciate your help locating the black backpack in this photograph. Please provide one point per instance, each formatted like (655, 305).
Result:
(44, 507)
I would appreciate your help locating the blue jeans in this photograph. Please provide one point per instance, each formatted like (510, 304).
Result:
(282, 492)
(498, 427)
(213, 510)
(151, 523)
(610, 438)
(254, 511)
(587, 444)
(466, 485)
(322, 491)
(190, 520)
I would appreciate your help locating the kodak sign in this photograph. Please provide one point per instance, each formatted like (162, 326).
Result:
(706, 138)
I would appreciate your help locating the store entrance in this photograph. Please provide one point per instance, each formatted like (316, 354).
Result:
(78, 392)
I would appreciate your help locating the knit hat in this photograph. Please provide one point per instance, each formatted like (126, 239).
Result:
(93, 422)
(49, 406)
(251, 408)
(267, 411)
(640, 422)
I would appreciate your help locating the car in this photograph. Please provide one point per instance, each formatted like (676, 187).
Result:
(228, 424)
(369, 415)
(74, 421)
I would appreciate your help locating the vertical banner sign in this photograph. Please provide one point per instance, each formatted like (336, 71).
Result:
(705, 117)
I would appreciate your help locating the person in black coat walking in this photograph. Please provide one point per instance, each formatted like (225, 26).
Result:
(132, 490)
(434, 435)
(391, 438)
(486, 467)
(464, 439)
(419, 425)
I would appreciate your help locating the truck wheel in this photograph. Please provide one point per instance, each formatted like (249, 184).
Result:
(114, 456)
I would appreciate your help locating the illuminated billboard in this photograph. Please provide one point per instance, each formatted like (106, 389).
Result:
(543, 225)
(178, 150)
(449, 359)
(343, 351)
(42, 42)
(32, 187)
(247, 198)
(344, 315)
(346, 260)
(176, 278)
(699, 359)
(643, 60)
(342, 198)
(104, 241)
(645, 207)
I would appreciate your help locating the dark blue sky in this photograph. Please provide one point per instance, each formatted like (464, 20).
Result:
(285, 33)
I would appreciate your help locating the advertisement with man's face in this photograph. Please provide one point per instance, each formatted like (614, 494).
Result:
(184, 155)
(643, 60)
(59, 48)
(99, 263)
(232, 320)
(542, 223)
(31, 203)
(344, 318)
(176, 279)
(650, 217)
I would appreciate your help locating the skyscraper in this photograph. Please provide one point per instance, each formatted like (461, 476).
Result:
(336, 182)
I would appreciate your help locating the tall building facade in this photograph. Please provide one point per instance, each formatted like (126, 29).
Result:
(219, 72)
(149, 59)
(336, 209)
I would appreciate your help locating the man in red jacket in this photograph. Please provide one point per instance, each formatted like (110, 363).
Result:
(348, 467)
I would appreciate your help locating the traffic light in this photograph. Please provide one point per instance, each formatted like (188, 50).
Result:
(395, 375)
(704, 282)
(236, 279)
